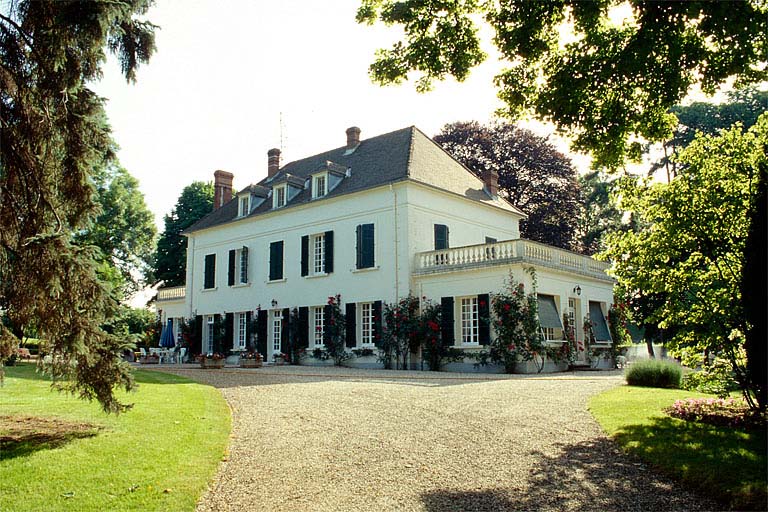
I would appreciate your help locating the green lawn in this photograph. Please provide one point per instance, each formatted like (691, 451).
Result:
(158, 456)
(725, 463)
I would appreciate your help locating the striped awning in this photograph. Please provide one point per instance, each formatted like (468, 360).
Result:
(599, 327)
(548, 316)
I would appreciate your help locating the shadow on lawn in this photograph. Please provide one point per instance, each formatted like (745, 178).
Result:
(592, 475)
(24, 435)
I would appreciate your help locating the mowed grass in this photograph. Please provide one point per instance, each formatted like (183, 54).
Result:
(158, 456)
(725, 463)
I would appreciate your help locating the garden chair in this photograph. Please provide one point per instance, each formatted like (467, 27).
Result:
(182, 353)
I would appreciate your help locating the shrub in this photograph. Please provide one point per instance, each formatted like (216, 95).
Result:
(655, 374)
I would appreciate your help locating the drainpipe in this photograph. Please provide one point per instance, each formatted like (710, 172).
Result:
(397, 265)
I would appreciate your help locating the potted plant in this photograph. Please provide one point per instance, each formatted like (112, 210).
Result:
(250, 360)
(212, 360)
(279, 358)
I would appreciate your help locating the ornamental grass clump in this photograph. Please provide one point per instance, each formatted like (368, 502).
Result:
(655, 374)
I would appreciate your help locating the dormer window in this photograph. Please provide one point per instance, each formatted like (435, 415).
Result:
(244, 206)
(319, 185)
(278, 196)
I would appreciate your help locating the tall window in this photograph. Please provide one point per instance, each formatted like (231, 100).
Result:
(209, 278)
(469, 321)
(365, 246)
(243, 263)
(366, 323)
(278, 199)
(318, 325)
(572, 315)
(209, 334)
(319, 187)
(441, 237)
(318, 254)
(276, 260)
(277, 330)
(241, 330)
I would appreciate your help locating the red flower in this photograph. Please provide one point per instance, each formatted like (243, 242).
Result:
(482, 303)
(507, 307)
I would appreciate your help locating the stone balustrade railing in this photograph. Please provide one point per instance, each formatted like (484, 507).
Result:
(510, 251)
(171, 293)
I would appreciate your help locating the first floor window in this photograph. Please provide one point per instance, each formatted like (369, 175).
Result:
(277, 330)
(470, 332)
(318, 254)
(241, 330)
(209, 272)
(318, 325)
(366, 323)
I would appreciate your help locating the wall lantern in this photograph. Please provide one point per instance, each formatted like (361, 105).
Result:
(577, 290)
(274, 303)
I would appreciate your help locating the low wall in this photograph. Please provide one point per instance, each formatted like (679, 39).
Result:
(640, 351)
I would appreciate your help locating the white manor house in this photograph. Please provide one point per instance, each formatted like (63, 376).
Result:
(374, 221)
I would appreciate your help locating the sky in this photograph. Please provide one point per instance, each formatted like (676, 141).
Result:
(232, 79)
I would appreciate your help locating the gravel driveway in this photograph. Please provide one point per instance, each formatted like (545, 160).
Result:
(330, 439)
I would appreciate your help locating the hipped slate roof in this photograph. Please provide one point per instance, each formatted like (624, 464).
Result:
(396, 156)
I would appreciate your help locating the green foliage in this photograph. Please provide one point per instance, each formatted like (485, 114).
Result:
(606, 84)
(518, 333)
(170, 261)
(714, 378)
(401, 335)
(599, 214)
(124, 229)
(123, 462)
(132, 324)
(433, 350)
(533, 175)
(334, 332)
(654, 373)
(617, 325)
(54, 139)
(725, 463)
(688, 255)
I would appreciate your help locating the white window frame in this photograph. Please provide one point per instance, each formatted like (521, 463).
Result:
(279, 196)
(209, 321)
(241, 332)
(277, 331)
(318, 326)
(243, 206)
(317, 190)
(366, 324)
(241, 269)
(317, 248)
(550, 333)
(469, 320)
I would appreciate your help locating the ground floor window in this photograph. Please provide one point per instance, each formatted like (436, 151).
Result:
(550, 333)
(277, 330)
(209, 334)
(470, 332)
(366, 323)
(241, 330)
(318, 326)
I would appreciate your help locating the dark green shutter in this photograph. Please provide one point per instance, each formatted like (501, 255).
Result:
(209, 280)
(446, 327)
(244, 263)
(229, 328)
(261, 332)
(441, 237)
(197, 341)
(248, 333)
(305, 255)
(285, 341)
(359, 246)
(231, 268)
(351, 314)
(484, 318)
(276, 260)
(365, 246)
(377, 321)
(303, 327)
(328, 252)
(327, 313)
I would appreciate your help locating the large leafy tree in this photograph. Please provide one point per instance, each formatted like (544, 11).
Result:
(195, 202)
(123, 231)
(533, 175)
(53, 138)
(608, 85)
(689, 255)
(599, 214)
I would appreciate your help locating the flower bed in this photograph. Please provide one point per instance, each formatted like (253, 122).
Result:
(716, 411)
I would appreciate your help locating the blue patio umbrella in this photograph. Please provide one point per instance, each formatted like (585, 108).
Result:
(166, 337)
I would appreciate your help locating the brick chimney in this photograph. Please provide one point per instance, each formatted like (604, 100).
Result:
(491, 181)
(353, 137)
(222, 188)
(273, 162)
